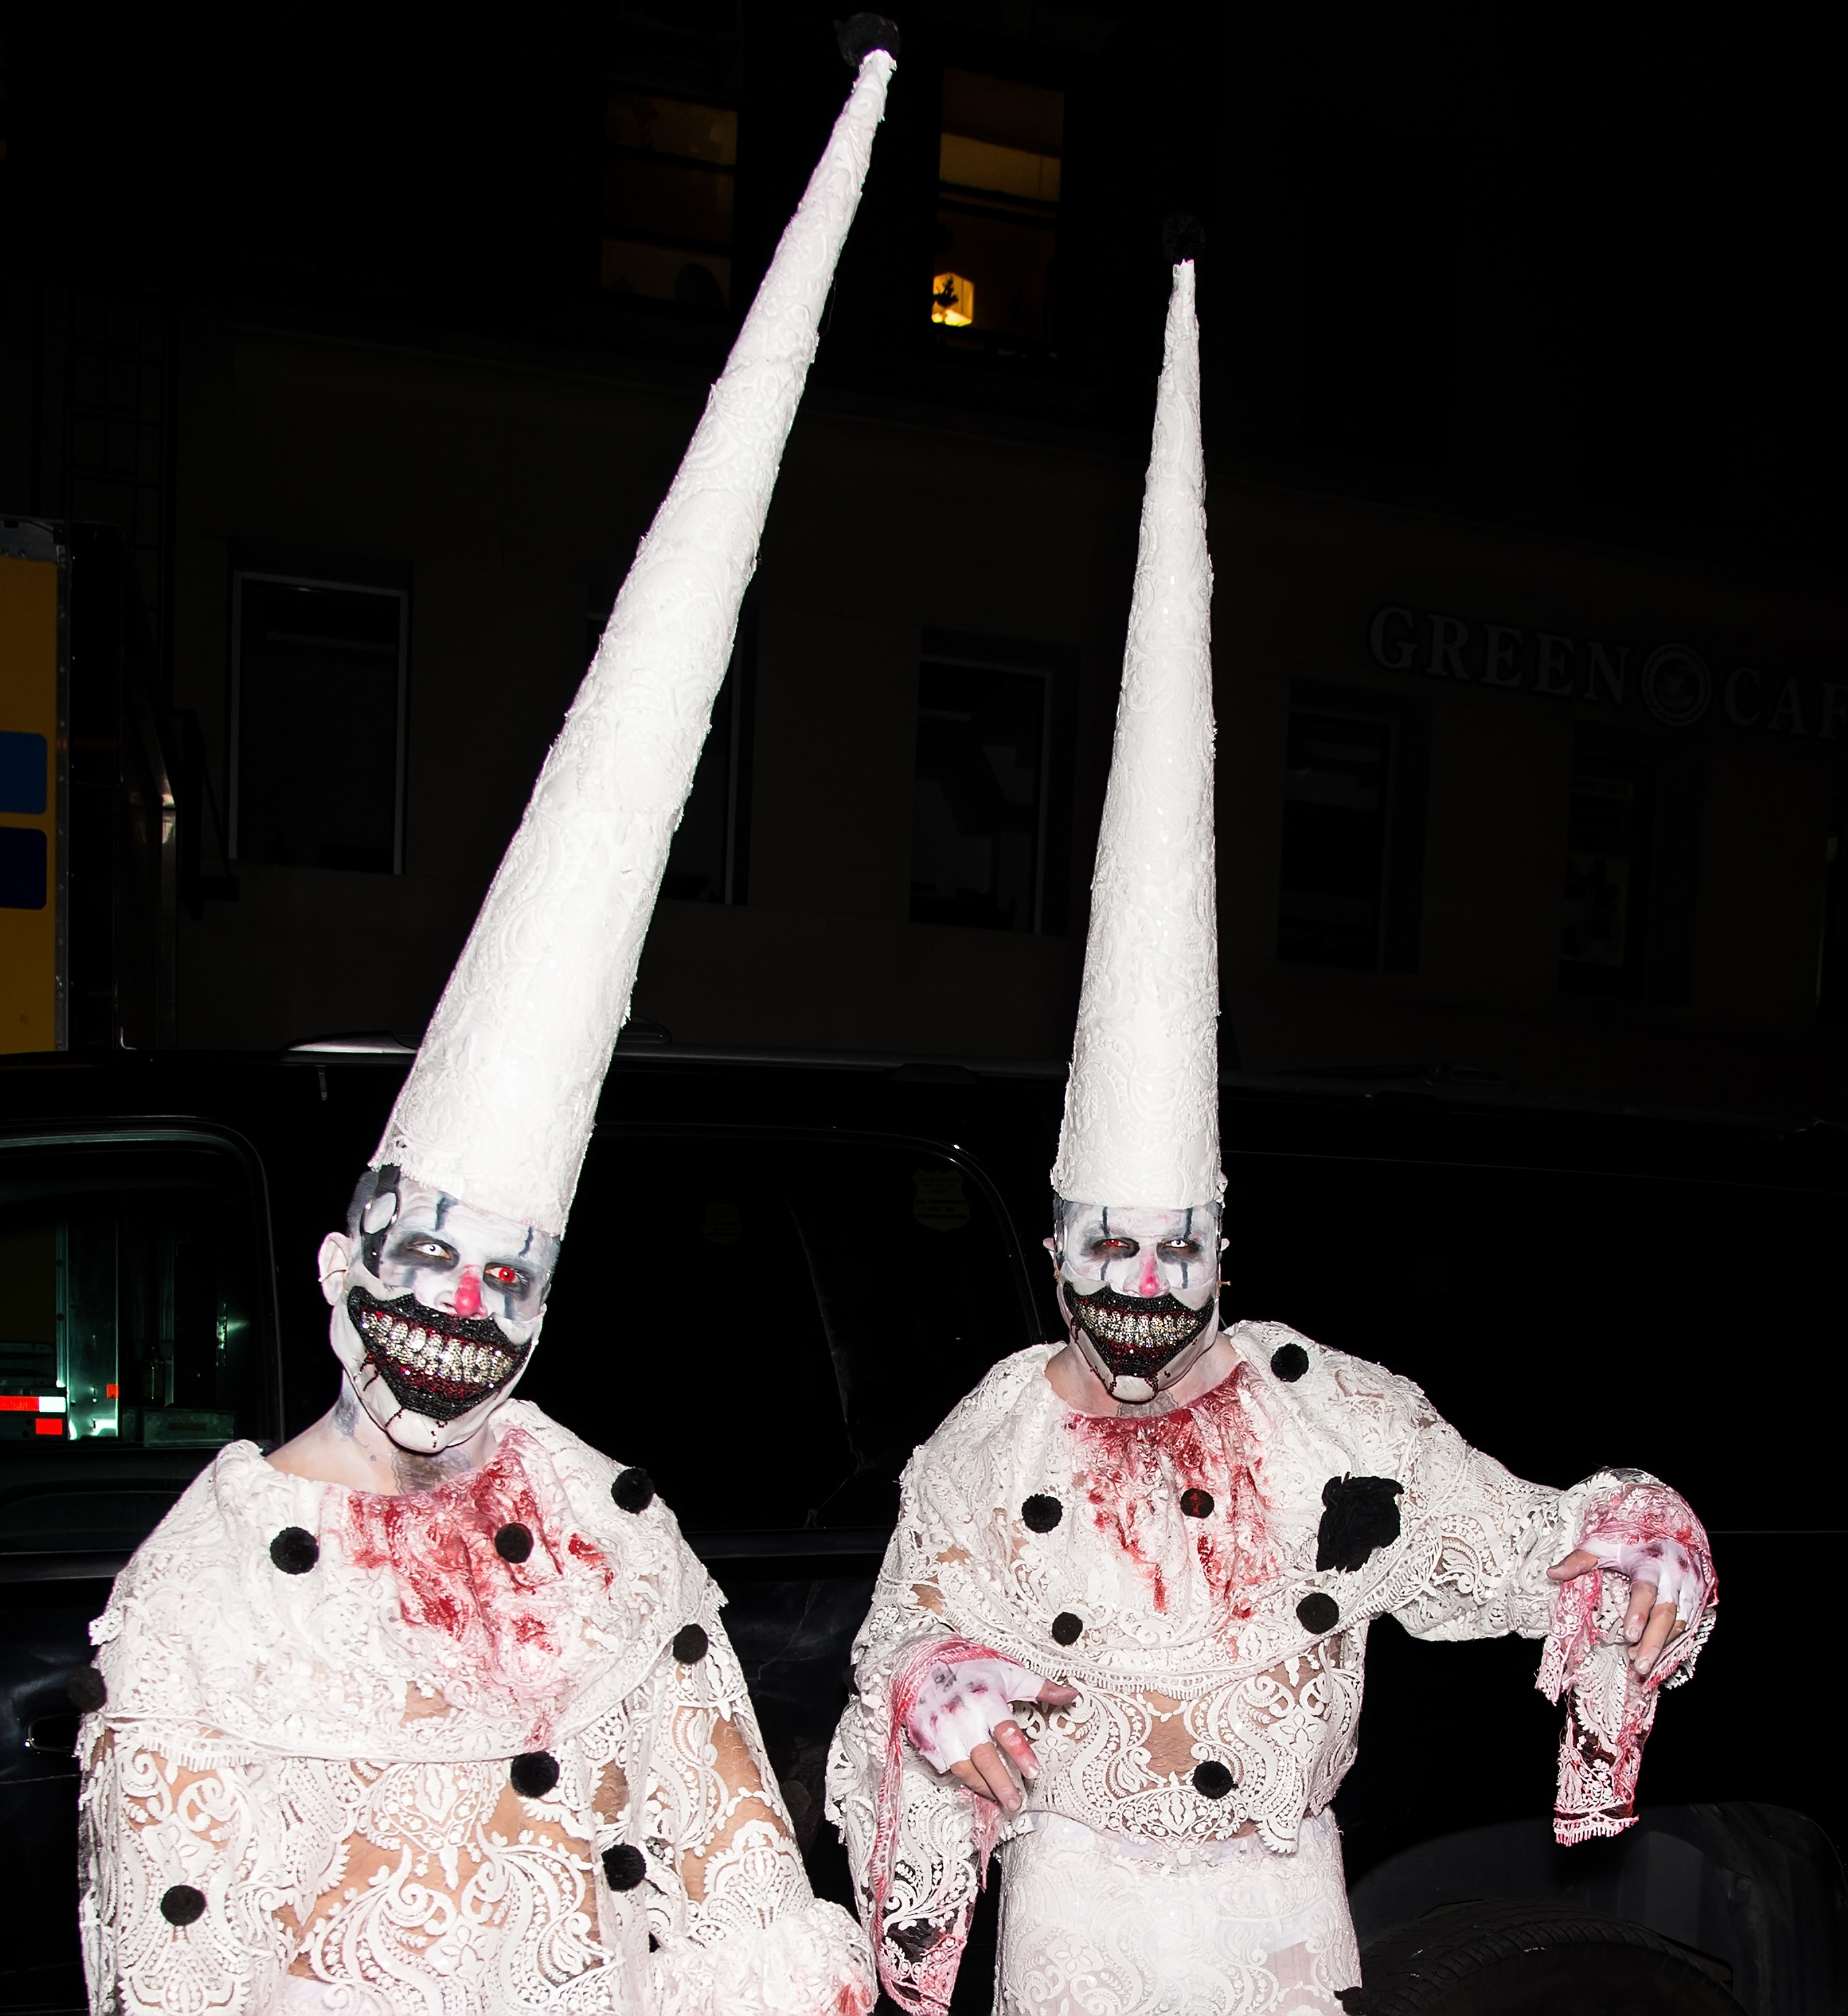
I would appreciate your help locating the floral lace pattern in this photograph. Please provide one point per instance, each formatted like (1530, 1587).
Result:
(374, 1839)
(1089, 1928)
(1142, 1103)
(1610, 1712)
(1179, 1664)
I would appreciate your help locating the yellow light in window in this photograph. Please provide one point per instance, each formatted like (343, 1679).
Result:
(952, 300)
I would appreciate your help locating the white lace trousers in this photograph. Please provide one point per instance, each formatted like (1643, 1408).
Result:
(1097, 1924)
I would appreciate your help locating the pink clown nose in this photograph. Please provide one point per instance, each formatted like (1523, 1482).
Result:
(468, 1292)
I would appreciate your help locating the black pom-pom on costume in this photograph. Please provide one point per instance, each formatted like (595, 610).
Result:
(1318, 1612)
(1358, 1513)
(1288, 1362)
(1183, 236)
(623, 1866)
(86, 1690)
(1211, 1780)
(1196, 1504)
(1066, 1629)
(513, 1543)
(689, 1644)
(182, 1905)
(295, 1550)
(534, 1774)
(633, 1490)
(1041, 1512)
(860, 34)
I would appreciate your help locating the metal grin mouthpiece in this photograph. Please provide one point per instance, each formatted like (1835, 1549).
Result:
(436, 1364)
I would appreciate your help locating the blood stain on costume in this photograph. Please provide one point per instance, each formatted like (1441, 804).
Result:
(441, 1547)
(1137, 1468)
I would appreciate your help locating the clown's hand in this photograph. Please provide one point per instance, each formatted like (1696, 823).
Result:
(1668, 1589)
(962, 1722)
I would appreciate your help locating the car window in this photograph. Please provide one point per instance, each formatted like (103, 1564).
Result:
(132, 1269)
(771, 1322)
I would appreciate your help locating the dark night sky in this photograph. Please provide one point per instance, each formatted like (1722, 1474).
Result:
(1583, 271)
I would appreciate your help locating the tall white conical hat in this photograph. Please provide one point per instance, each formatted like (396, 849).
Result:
(500, 1103)
(1142, 1119)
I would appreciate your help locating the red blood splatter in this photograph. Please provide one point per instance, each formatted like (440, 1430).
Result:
(439, 1547)
(1135, 1467)
(921, 1980)
(1591, 1757)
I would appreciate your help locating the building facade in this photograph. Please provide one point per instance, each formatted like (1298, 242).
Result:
(1508, 783)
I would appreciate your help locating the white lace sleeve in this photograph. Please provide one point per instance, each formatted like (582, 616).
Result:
(180, 1828)
(1481, 1543)
(735, 1928)
(917, 1843)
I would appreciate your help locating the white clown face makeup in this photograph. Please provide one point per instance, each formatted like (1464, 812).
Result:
(1139, 1285)
(436, 1307)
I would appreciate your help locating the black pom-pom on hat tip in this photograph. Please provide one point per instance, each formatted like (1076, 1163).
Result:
(1041, 1512)
(633, 1490)
(1211, 1780)
(182, 1905)
(295, 1550)
(1288, 1362)
(86, 1690)
(533, 1774)
(1183, 236)
(623, 1867)
(689, 1644)
(860, 34)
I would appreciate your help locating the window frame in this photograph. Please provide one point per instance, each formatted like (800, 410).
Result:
(1408, 797)
(1058, 666)
(241, 574)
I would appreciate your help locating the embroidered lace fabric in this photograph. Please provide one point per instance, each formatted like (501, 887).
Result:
(1142, 1104)
(1092, 1925)
(1190, 1649)
(325, 1758)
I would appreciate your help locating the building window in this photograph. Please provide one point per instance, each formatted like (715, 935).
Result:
(1604, 910)
(1356, 770)
(990, 802)
(1831, 956)
(998, 169)
(670, 176)
(317, 720)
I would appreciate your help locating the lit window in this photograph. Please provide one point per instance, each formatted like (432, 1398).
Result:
(318, 697)
(998, 172)
(952, 300)
(669, 180)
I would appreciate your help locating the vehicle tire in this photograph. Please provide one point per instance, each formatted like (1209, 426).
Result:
(1521, 1959)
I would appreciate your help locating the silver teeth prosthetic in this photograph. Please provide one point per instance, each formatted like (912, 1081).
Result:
(435, 1355)
(1142, 1333)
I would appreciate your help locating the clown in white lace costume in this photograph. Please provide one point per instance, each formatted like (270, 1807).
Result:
(472, 1750)
(1205, 1579)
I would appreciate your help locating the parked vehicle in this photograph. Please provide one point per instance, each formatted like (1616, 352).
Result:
(782, 1272)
